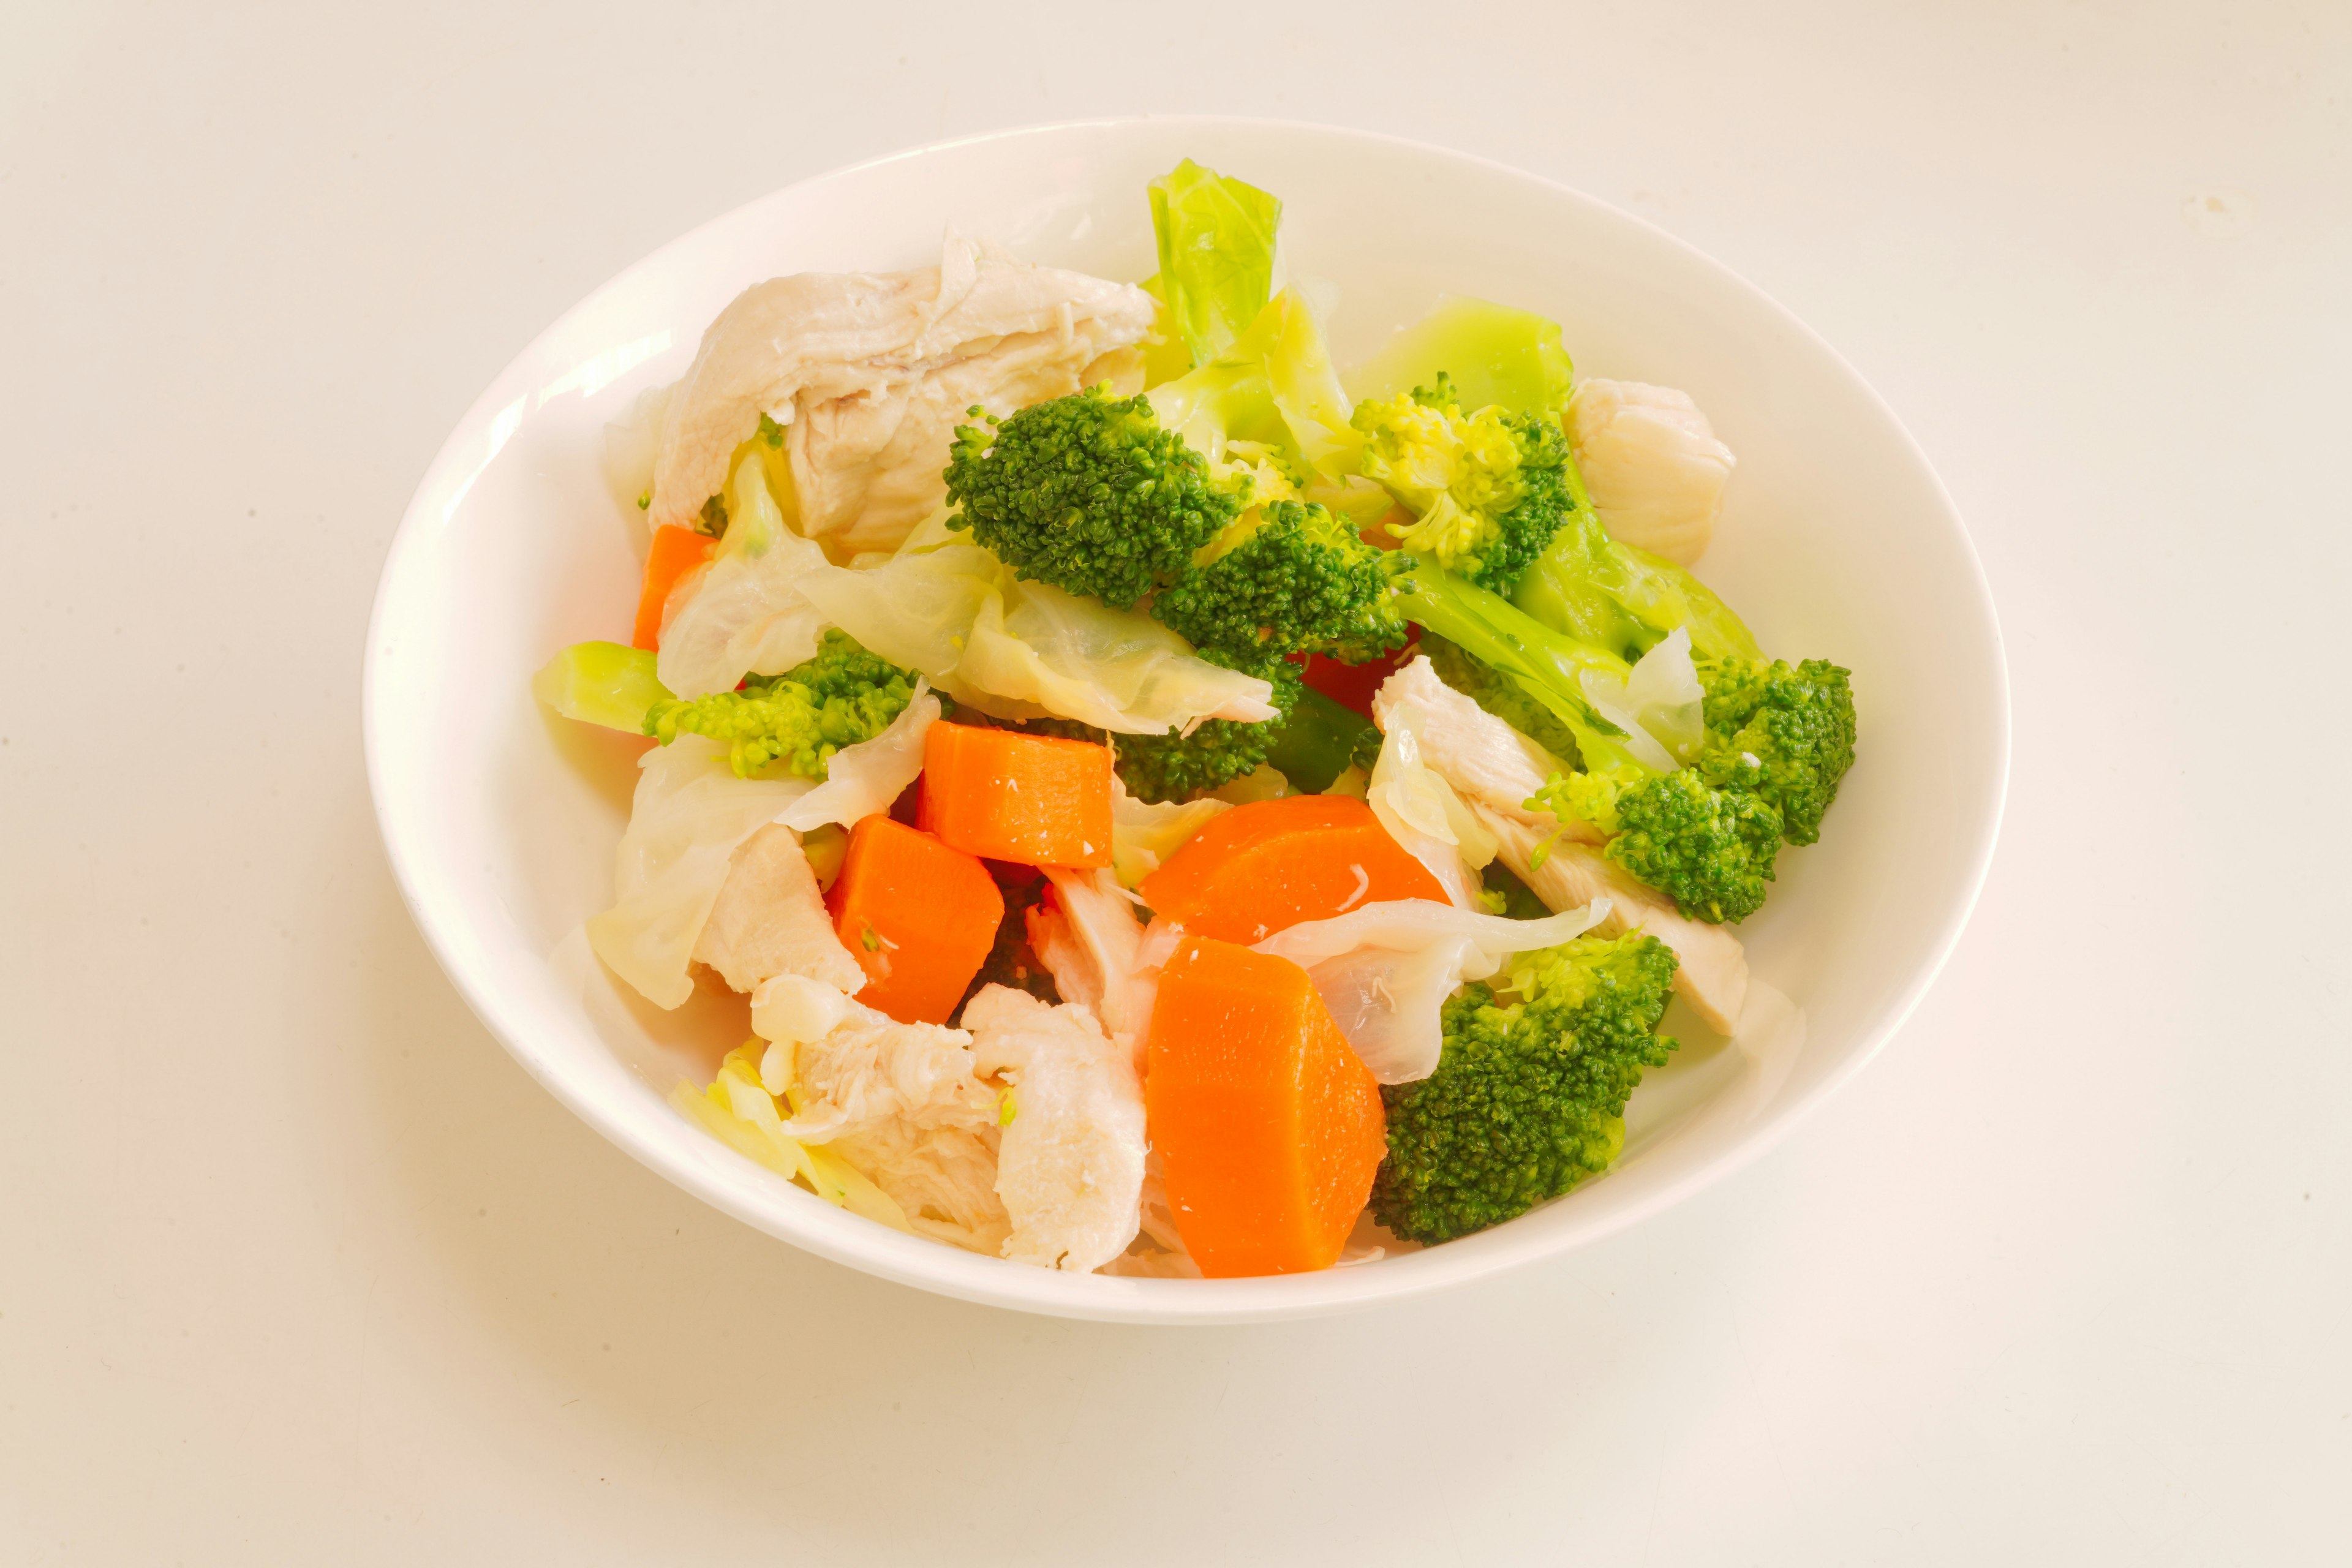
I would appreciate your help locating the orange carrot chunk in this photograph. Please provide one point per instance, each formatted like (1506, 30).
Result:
(1037, 800)
(1268, 1123)
(1261, 867)
(917, 916)
(675, 552)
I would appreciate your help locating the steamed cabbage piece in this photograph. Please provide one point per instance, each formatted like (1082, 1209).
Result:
(1216, 239)
(1427, 818)
(1027, 650)
(1497, 355)
(743, 612)
(689, 815)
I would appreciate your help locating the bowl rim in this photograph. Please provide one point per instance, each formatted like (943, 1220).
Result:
(1137, 1300)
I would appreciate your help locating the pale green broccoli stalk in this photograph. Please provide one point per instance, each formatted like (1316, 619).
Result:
(1623, 599)
(1528, 1097)
(1487, 489)
(799, 719)
(606, 683)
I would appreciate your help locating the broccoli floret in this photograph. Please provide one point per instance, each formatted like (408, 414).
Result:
(1785, 735)
(1088, 492)
(1487, 489)
(1528, 1097)
(1710, 849)
(1292, 579)
(802, 717)
(1218, 751)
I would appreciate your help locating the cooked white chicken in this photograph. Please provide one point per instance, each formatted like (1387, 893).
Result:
(1088, 941)
(905, 1105)
(1652, 463)
(1070, 1162)
(869, 373)
(1711, 969)
(1488, 762)
(769, 920)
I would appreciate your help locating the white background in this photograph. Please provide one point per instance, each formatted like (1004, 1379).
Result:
(296, 1266)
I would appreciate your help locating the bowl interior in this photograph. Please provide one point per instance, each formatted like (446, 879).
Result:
(1837, 542)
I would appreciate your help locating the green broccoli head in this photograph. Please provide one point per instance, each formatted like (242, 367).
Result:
(1218, 751)
(1785, 735)
(1711, 850)
(1088, 492)
(1293, 579)
(1487, 489)
(1528, 1097)
(799, 718)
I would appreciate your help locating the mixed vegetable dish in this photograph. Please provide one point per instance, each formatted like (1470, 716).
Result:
(1176, 808)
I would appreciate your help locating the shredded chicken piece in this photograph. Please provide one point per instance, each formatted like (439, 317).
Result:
(1070, 1162)
(1653, 464)
(1088, 941)
(769, 920)
(1711, 970)
(904, 1103)
(1488, 762)
(869, 374)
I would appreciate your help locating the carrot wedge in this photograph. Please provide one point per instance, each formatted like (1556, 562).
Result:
(1034, 800)
(1268, 1123)
(1262, 867)
(675, 552)
(918, 917)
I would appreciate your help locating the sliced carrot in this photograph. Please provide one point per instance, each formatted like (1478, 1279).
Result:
(1268, 1124)
(1037, 800)
(917, 916)
(1261, 867)
(675, 552)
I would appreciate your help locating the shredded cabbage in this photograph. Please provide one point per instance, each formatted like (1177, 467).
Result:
(689, 815)
(743, 612)
(739, 1113)
(1027, 650)
(863, 779)
(1425, 815)
(1144, 833)
(1659, 704)
(1216, 241)
(1385, 970)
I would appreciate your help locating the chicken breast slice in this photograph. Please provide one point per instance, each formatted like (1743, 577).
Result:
(1711, 970)
(1486, 760)
(1088, 942)
(771, 919)
(904, 1103)
(869, 373)
(1070, 1162)
(1653, 464)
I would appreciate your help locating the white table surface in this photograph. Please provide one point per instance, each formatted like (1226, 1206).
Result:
(296, 1266)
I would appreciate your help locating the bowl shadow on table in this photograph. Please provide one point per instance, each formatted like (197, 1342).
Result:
(685, 1347)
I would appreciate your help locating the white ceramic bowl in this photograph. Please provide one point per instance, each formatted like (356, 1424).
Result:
(1838, 543)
